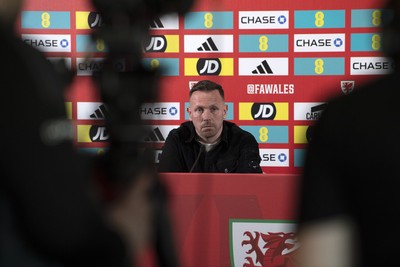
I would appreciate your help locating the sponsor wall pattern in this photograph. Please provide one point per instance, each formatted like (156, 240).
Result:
(278, 63)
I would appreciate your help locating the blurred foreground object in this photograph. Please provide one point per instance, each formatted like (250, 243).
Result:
(124, 30)
(349, 190)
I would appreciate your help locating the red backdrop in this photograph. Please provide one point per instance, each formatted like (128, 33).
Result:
(277, 60)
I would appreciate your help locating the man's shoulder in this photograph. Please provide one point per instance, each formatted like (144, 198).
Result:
(183, 131)
(236, 130)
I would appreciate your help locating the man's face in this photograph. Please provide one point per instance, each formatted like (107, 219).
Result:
(207, 111)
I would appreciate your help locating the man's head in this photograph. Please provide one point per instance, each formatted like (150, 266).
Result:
(207, 110)
(9, 10)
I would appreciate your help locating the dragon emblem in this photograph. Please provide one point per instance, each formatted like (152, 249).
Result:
(279, 249)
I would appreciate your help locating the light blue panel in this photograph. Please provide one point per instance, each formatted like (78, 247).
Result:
(309, 66)
(256, 43)
(328, 19)
(208, 20)
(168, 66)
(366, 42)
(93, 151)
(84, 43)
(366, 18)
(229, 113)
(269, 134)
(299, 157)
(45, 20)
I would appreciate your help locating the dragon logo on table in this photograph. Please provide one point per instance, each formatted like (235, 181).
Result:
(263, 243)
(278, 252)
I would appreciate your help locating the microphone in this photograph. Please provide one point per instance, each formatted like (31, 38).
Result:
(202, 148)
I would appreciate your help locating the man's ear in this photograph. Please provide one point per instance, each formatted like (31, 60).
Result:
(225, 110)
(189, 112)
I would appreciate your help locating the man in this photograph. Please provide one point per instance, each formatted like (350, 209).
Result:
(50, 212)
(349, 194)
(208, 143)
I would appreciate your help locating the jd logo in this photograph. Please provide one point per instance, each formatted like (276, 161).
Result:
(210, 66)
(263, 111)
(98, 134)
(95, 20)
(156, 44)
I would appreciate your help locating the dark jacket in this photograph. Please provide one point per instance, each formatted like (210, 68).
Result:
(237, 152)
(48, 216)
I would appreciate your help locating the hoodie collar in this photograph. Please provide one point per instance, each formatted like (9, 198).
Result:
(192, 134)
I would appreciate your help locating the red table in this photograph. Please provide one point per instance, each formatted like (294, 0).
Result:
(222, 219)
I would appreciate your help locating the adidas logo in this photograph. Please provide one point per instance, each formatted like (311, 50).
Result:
(263, 68)
(155, 136)
(100, 113)
(209, 45)
(156, 24)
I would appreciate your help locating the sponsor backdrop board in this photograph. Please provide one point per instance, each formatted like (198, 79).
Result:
(278, 61)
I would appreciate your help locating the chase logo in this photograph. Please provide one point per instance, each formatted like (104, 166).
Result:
(319, 43)
(166, 22)
(160, 111)
(87, 66)
(263, 19)
(158, 134)
(45, 20)
(162, 44)
(274, 157)
(92, 133)
(208, 43)
(88, 20)
(48, 42)
(264, 111)
(269, 134)
(263, 66)
(208, 66)
(371, 65)
(308, 111)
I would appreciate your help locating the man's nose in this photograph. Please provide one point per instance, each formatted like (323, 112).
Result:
(206, 114)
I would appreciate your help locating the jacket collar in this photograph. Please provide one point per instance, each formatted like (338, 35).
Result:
(192, 132)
